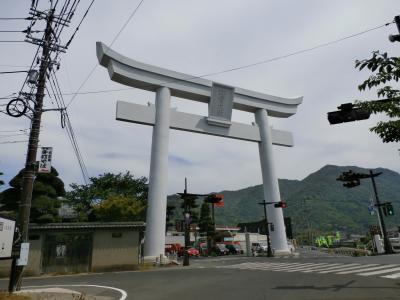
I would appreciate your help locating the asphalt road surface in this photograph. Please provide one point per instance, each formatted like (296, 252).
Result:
(308, 276)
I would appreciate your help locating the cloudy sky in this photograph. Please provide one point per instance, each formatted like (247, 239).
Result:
(201, 37)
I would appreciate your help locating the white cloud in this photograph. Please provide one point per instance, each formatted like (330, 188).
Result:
(199, 37)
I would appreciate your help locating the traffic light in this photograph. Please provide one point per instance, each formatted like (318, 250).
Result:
(214, 198)
(281, 204)
(347, 113)
(396, 37)
(351, 179)
(352, 183)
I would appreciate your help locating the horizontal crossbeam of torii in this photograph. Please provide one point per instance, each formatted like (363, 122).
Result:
(221, 99)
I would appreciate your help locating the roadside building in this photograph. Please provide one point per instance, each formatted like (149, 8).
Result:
(81, 247)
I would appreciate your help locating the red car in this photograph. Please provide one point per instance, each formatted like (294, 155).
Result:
(173, 248)
(191, 251)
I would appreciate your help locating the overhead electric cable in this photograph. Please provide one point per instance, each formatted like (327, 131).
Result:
(231, 69)
(77, 28)
(6, 19)
(14, 142)
(112, 42)
(12, 72)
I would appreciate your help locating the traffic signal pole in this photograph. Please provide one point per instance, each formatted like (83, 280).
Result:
(386, 242)
(350, 180)
(269, 249)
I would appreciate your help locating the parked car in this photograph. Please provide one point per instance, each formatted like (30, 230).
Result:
(203, 249)
(234, 248)
(220, 249)
(173, 248)
(191, 251)
(259, 247)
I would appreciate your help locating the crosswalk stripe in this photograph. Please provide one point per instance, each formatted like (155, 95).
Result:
(339, 268)
(291, 266)
(380, 272)
(276, 267)
(312, 267)
(323, 268)
(392, 276)
(363, 269)
(320, 268)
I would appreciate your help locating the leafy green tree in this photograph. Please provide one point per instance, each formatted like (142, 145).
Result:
(47, 188)
(1, 181)
(385, 70)
(119, 208)
(206, 224)
(109, 191)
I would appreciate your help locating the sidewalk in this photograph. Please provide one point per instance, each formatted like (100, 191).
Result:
(56, 293)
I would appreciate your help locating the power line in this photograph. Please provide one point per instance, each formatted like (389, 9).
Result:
(77, 28)
(112, 42)
(6, 19)
(24, 130)
(12, 41)
(12, 72)
(290, 54)
(235, 68)
(13, 142)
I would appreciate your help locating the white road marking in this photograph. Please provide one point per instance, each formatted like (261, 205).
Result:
(380, 272)
(123, 293)
(320, 268)
(339, 268)
(363, 269)
(392, 276)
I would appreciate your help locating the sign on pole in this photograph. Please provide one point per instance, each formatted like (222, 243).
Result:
(7, 228)
(45, 160)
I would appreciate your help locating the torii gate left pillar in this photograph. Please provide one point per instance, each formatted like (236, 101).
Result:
(221, 100)
(158, 179)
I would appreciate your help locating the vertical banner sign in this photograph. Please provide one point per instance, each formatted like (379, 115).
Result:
(45, 160)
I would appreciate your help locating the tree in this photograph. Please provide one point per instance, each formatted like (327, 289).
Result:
(385, 69)
(108, 192)
(1, 181)
(119, 208)
(206, 224)
(47, 188)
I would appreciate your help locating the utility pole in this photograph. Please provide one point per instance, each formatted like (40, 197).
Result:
(187, 226)
(269, 250)
(30, 164)
(386, 242)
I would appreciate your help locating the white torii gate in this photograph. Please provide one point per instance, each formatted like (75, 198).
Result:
(221, 100)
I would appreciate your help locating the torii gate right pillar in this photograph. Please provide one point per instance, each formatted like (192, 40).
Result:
(270, 184)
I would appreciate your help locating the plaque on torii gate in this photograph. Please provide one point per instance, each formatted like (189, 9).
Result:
(221, 100)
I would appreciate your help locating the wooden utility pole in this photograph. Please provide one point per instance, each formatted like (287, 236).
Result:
(30, 164)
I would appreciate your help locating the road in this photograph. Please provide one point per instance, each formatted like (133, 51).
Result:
(308, 276)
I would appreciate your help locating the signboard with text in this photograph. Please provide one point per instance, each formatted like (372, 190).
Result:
(45, 160)
(7, 228)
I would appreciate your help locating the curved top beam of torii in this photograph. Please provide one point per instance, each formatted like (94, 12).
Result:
(143, 76)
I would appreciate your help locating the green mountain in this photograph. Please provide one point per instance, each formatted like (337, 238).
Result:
(319, 201)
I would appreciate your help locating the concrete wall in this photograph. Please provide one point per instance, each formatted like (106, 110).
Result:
(120, 252)
(34, 260)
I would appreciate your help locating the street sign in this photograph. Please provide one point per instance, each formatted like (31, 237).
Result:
(371, 210)
(23, 255)
(7, 228)
(45, 160)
